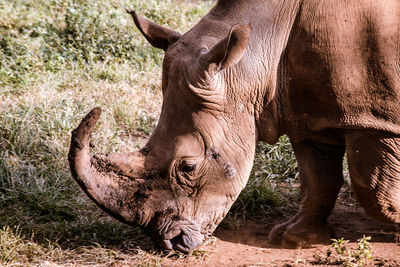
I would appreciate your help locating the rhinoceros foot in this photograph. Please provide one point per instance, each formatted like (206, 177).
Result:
(300, 234)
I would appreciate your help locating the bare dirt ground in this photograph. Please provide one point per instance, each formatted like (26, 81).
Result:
(248, 245)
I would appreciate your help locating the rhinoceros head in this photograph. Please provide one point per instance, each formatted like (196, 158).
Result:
(198, 159)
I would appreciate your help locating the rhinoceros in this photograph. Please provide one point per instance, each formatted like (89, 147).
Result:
(325, 73)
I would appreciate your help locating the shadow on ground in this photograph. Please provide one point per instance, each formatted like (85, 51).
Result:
(349, 223)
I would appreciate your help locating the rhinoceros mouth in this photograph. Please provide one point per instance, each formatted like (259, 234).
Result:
(181, 235)
(183, 242)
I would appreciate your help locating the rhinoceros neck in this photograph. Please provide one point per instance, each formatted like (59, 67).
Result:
(259, 72)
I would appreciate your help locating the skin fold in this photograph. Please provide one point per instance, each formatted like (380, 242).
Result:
(326, 73)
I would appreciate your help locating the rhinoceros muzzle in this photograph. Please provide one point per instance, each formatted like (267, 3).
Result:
(173, 233)
(183, 236)
(182, 242)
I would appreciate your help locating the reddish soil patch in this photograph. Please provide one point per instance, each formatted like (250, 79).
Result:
(248, 245)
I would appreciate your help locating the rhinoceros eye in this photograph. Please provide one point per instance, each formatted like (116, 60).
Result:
(188, 167)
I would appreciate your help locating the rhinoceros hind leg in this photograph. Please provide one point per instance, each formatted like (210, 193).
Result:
(320, 168)
(374, 165)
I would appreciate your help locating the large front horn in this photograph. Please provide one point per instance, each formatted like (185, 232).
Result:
(109, 180)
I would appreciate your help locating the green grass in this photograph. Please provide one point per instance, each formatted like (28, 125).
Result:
(347, 257)
(59, 59)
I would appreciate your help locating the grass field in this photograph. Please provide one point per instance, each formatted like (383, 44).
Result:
(59, 59)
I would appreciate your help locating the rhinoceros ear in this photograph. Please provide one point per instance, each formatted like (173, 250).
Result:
(230, 50)
(158, 36)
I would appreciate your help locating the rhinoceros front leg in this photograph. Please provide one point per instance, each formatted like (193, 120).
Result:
(320, 169)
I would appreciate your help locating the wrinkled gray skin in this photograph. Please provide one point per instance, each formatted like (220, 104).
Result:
(326, 73)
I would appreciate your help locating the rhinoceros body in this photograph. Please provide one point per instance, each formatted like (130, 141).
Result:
(326, 73)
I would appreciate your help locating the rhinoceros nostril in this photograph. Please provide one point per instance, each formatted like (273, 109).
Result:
(167, 244)
(177, 240)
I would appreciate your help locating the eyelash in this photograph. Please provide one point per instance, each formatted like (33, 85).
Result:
(188, 168)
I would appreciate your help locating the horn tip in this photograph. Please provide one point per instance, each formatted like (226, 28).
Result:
(96, 112)
(87, 124)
